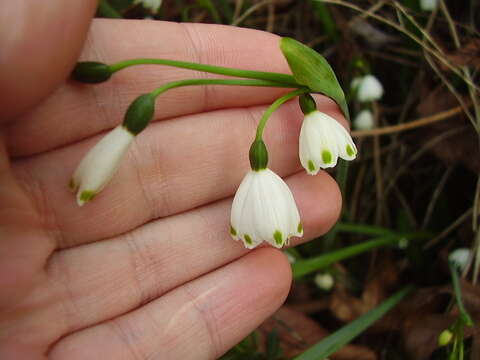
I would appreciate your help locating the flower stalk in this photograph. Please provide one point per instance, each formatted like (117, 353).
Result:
(276, 104)
(285, 79)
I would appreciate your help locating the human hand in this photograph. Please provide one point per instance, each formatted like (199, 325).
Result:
(147, 269)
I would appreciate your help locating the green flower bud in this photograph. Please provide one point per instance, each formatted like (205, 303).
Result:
(307, 103)
(258, 155)
(445, 337)
(91, 72)
(139, 113)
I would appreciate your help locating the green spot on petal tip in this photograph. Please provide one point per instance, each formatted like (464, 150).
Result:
(248, 239)
(87, 195)
(326, 156)
(300, 228)
(277, 235)
(233, 232)
(350, 151)
(311, 166)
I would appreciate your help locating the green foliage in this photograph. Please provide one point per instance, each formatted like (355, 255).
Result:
(323, 14)
(311, 69)
(346, 334)
(304, 267)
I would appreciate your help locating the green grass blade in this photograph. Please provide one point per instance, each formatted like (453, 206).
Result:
(106, 10)
(207, 4)
(323, 14)
(363, 229)
(347, 333)
(307, 266)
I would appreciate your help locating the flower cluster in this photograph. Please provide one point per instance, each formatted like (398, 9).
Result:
(263, 208)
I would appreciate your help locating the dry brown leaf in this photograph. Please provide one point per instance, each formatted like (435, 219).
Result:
(297, 332)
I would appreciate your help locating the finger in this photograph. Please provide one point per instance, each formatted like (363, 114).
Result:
(100, 281)
(177, 165)
(199, 320)
(40, 41)
(25, 244)
(77, 111)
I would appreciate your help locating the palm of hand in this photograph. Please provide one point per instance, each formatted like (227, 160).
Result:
(146, 270)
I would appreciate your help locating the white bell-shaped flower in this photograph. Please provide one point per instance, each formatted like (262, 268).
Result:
(322, 140)
(363, 120)
(369, 89)
(428, 5)
(100, 164)
(460, 257)
(264, 210)
(153, 5)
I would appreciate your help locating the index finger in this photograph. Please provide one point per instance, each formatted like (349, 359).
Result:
(40, 41)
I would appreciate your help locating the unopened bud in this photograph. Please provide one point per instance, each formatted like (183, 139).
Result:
(445, 337)
(139, 113)
(258, 155)
(91, 72)
(307, 103)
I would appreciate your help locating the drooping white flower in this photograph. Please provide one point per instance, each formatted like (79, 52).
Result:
(264, 209)
(428, 5)
(100, 164)
(153, 5)
(369, 89)
(322, 140)
(460, 257)
(363, 120)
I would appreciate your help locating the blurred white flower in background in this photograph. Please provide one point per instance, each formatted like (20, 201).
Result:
(369, 89)
(153, 5)
(324, 281)
(428, 5)
(460, 257)
(264, 210)
(363, 120)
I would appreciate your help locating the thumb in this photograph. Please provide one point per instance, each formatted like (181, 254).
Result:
(40, 42)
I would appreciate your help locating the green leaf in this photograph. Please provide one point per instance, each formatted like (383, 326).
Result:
(307, 266)
(273, 346)
(363, 229)
(347, 333)
(309, 68)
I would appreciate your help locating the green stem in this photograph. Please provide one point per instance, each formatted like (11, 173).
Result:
(286, 80)
(307, 266)
(464, 316)
(275, 106)
(106, 10)
(188, 82)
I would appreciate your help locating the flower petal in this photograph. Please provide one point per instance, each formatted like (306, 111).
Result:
(100, 164)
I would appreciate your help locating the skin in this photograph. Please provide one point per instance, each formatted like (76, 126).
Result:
(147, 270)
